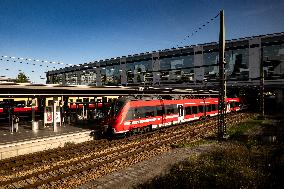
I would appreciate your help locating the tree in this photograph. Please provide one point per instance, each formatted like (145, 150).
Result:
(22, 78)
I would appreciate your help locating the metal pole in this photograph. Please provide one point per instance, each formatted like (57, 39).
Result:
(54, 114)
(222, 80)
(34, 126)
(261, 85)
(10, 120)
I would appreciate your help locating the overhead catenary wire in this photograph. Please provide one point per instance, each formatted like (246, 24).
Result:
(17, 59)
(196, 30)
(43, 65)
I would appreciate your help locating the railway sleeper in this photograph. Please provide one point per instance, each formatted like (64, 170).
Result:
(41, 177)
(52, 174)
(52, 183)
(75, 176)
(29, 181)
(17, 185)
(63, 170)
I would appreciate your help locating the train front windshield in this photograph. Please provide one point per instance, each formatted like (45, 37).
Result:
(118, 106)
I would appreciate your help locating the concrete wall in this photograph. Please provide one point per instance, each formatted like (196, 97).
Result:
(198, 61)
(156, 67)
(123, 74)
(254, 58)
(22, 148)
(98, 75)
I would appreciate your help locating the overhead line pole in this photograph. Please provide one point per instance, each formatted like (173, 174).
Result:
(261, 85)
(222, 79)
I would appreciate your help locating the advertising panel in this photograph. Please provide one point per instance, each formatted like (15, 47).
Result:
(48, 115)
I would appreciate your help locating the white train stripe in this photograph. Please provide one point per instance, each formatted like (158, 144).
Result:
(189, 103)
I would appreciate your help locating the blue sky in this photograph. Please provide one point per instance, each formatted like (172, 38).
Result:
(79, 31)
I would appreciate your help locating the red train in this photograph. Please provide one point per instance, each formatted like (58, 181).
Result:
(134, 115)
(23, 106)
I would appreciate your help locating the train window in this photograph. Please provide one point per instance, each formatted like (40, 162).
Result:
(118, 106)
(208, 108)
(2, 104)
(237, 104)
(135, 113)
(85, 100)
(139, 113)
(71, 102)
(170, 111)
(104, 99)
(149, 111)
(20, 104)
(176, 110)
(149, 114)
(160, 111)
(201, 108)
(78, 100)
(213, 107)
(194, 109)
(49, 103)
(29, 103)
(129, 115)
(188, 110)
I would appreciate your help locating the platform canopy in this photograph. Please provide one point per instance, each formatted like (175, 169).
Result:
(13, 89)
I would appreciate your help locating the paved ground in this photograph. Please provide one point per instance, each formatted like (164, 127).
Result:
(25, 132)
(143, 171)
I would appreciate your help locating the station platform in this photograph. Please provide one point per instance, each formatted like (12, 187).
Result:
(28, 141)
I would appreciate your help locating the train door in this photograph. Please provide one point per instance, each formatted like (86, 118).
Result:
(180, 113)
(228, 107)
(161, 112)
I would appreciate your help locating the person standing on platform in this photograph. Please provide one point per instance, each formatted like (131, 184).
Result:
(16, 123)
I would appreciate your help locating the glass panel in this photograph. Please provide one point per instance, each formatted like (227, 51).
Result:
(273, 62)
(179, 69)
(201, 109)
(237, 66)
(211, 72)
(194, 109)
(109, 75)
(103, 75)
(71, 78)
(141, 71)
(88, 77)
(130, 73)
(188, 111)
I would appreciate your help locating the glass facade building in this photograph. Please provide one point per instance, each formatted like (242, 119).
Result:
(184, 65)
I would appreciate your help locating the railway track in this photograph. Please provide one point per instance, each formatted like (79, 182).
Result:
(96, 161)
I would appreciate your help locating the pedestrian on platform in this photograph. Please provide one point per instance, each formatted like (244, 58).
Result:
(16, 122)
